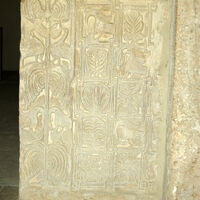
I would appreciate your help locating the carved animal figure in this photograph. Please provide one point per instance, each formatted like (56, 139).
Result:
(133, 63)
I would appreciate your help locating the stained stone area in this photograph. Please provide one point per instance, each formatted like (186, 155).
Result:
(96, 96)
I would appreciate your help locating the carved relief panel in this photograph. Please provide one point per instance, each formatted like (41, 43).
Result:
(45, 103)
(93, 99)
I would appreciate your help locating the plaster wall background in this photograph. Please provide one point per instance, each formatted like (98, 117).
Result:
(96, 82)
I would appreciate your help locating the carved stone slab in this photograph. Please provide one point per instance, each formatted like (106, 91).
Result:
(93, 99)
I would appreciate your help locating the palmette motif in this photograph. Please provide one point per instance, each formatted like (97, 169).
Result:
(93, 103)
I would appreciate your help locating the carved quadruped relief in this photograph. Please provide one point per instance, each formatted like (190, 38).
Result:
(93, 99)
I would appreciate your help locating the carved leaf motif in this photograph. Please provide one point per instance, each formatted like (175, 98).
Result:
(133, 25)
(97, 59)
(95, 98)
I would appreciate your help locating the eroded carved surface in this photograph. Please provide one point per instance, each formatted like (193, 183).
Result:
(46, 70)
(93, 127)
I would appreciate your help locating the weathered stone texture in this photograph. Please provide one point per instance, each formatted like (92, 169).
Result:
(47, 65)
(184, 144)
(94, 87)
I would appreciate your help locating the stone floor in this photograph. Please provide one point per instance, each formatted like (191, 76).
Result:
(8, 193)
(9, 140)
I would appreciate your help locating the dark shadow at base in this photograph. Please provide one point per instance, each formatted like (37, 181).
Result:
(9, 135)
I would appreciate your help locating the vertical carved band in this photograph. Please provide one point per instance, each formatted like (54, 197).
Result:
(47, 64)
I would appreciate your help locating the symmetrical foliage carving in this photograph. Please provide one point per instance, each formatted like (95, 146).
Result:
(45, 103)
(93, 99)
(97, 62)
(133, 26)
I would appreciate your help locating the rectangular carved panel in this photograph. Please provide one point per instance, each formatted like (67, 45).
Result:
(93, 99)
(120, 90)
